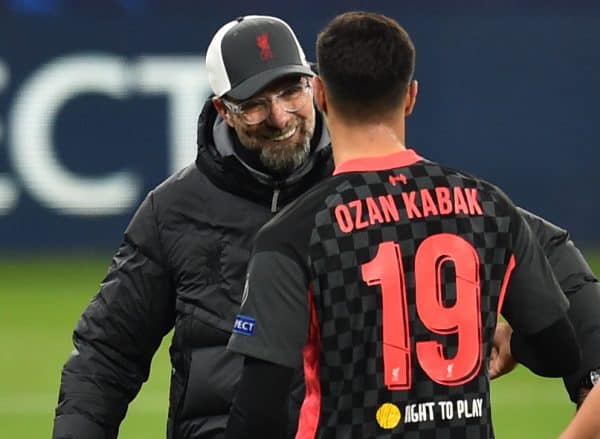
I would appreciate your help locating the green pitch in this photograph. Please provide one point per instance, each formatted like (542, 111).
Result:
(41, 299)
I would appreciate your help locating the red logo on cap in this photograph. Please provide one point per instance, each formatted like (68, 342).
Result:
(262, 41)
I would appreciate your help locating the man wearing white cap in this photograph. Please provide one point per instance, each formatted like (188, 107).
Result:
(183, 258)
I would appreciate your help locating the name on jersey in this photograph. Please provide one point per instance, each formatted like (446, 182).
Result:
(244, 325)
(439, 201)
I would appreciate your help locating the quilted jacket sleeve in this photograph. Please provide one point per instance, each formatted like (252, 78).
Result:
(117, 335)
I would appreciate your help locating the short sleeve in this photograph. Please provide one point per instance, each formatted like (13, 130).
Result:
(533, 298)
(274, 316)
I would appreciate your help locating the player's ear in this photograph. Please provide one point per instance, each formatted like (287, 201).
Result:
(411, 97)
(319, 95)
(222, 110)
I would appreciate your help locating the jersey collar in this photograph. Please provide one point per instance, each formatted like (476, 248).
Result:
(366, 164)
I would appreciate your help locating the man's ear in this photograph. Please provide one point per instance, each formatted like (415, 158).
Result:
(222, 110)
(319, 95)
(411, 97)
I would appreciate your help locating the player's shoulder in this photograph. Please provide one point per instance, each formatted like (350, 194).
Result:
(467, 179)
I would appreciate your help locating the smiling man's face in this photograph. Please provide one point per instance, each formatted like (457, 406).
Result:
(282, 140)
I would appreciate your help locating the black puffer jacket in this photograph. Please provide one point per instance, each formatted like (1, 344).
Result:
(182, 263)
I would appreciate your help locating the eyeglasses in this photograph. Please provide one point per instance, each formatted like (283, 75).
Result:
(290, 99)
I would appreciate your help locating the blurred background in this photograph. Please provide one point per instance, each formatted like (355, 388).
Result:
(99, 101)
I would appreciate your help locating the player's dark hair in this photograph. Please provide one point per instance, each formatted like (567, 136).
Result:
(367, 61)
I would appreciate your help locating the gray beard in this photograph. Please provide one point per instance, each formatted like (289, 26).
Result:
(285, 161)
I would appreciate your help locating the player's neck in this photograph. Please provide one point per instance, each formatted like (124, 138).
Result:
(351, 141)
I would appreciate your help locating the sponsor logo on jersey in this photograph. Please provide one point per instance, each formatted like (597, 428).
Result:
(244, 325)
(388, 416)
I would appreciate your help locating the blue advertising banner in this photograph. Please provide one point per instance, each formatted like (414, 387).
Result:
(96, 109)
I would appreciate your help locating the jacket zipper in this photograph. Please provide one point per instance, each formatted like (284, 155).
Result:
(274, 200)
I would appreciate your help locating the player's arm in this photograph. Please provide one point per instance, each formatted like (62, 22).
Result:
(260, 407)
(543, 339)
(586, 423)
(582, 288)
(271, 331)
(116, 337)
(583, 291)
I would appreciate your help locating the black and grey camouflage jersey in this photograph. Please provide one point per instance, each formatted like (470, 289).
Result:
(384, 283)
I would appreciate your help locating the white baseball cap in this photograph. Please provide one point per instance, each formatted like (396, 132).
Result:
(248, 53)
